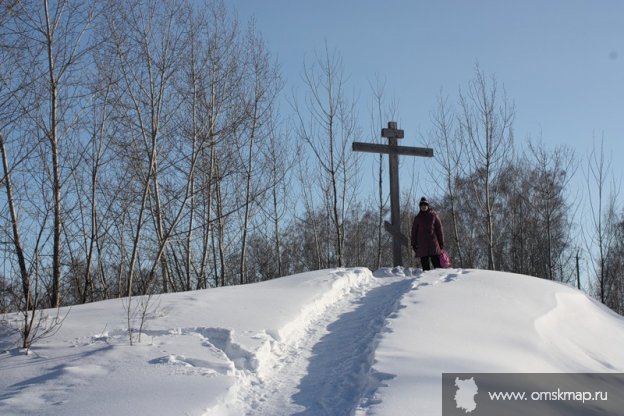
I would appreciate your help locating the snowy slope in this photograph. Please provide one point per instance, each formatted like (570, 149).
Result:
(334, 342)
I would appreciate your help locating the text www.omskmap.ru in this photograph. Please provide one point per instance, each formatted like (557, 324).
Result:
(558, 395)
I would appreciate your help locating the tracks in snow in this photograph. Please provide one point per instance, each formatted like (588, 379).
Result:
(338, 372)
(324, 366)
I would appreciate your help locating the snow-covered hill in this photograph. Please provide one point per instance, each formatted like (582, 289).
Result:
(331, 342)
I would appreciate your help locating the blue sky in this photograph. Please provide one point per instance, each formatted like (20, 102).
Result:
(560, 62)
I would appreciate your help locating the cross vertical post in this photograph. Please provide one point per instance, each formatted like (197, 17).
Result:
(395, 205)
(392, 133)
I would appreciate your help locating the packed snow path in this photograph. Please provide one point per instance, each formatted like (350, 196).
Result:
(326, 367)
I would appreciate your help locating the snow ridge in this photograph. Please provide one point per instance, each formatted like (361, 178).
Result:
(222, 355)
(327, 342)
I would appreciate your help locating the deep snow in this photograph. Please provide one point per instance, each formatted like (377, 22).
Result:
(330, 342)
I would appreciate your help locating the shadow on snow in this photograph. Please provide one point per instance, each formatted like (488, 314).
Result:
(339, 372)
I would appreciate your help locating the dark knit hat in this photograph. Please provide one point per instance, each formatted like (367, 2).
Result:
(423, 201)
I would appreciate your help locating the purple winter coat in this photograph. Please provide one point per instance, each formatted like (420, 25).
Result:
(427, 234)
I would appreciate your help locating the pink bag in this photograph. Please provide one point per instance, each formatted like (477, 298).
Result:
(445, 260)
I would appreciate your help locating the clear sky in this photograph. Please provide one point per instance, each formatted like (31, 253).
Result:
(561, 62)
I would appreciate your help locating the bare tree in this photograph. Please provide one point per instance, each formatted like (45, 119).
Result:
(25, 61)
(211, 74)
(90, 223)
(280, 163)
(146, 38)
(449, 149)
(614, 269)
(17, 243)
(380, 113)
(553, 171)
(602, 233)
(34, 324)
(263, 86)
(486, 121)
(61, 36)
(50, 42)
(12, 94)
(326, 122)
(222, 115)
(140, 153)
(311, 222)
(279, 169)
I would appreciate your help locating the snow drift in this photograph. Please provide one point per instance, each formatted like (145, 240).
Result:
(334, 342)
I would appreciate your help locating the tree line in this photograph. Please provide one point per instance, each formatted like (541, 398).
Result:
(144, 151)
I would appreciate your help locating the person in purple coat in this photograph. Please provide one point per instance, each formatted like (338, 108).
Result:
(427, 236)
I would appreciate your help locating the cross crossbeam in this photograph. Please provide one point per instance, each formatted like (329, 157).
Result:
(399, 150)
(392, 133)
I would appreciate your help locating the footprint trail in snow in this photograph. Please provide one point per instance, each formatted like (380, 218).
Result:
(325, 366)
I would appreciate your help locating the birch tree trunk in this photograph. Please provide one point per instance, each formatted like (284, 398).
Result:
(63, 33)
(52, 136)
(17, 244)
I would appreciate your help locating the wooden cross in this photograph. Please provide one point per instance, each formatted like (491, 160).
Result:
(392, 133)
